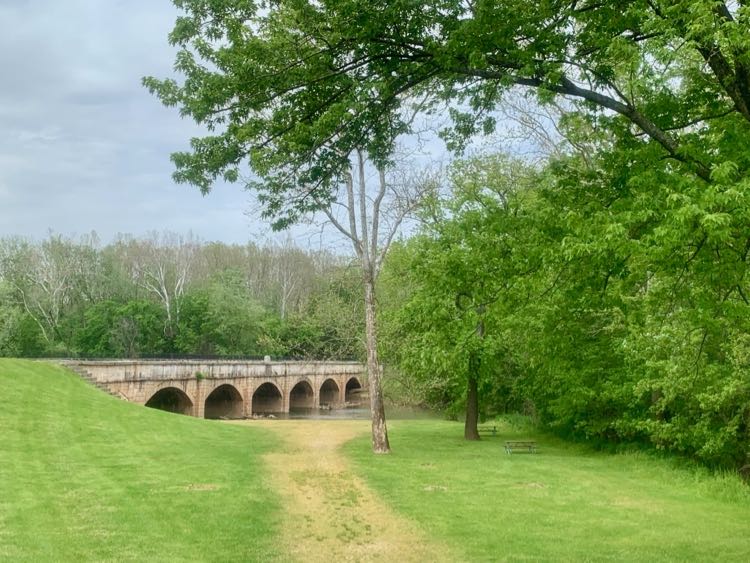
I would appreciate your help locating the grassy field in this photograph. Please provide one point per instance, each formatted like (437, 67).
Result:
(84, 476)
(564, 504)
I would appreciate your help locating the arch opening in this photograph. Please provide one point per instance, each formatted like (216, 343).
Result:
(267, 399)
(224, 402)
(329, 394)
(171, 399)
(353, 392)
(301, 397)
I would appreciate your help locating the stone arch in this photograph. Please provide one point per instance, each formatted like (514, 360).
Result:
(329, 393)
(302, 396)
(267, 399)
(171, 399)
(353, 391)
(225, 401)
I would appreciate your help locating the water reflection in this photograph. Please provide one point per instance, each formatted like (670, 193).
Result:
(356, 413)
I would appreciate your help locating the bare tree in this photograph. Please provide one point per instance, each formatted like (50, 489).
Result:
(369, 211)
(45, 277)
(291, 270)
(162, 265)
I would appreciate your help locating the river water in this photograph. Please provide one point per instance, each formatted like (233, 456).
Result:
(357, 413)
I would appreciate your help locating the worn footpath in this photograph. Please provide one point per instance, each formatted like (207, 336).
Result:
(330, 514)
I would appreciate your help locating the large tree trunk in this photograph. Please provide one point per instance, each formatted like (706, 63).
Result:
(380, 443)
(472, 402)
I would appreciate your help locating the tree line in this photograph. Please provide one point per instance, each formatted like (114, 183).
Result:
(168, 294)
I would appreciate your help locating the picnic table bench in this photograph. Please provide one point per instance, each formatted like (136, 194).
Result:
(487, 429)
(528, 446)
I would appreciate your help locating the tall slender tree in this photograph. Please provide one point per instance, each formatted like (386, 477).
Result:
(370, 218)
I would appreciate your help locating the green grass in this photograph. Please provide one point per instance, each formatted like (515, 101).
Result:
(565, 503)
(84, 476)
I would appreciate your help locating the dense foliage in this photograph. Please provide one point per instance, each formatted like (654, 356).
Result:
(173, 296)
(608, 314)
(292, 87)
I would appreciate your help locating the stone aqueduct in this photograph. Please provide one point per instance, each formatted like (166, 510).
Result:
(227, 389)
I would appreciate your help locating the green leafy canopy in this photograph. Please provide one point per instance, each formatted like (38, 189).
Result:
(292, 87)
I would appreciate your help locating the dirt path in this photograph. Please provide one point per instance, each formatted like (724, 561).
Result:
(330, 513)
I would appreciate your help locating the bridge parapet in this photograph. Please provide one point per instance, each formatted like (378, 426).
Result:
(106, 371)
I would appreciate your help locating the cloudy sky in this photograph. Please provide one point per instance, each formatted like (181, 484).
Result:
(83, 146)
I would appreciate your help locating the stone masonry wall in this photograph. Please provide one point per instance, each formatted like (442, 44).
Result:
(137, 381)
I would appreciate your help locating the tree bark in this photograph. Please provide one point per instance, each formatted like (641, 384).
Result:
(471, 432)
(472, 402)
(380, 444)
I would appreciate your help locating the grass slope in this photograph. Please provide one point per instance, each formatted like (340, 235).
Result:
(565, 503)
(87, 476)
